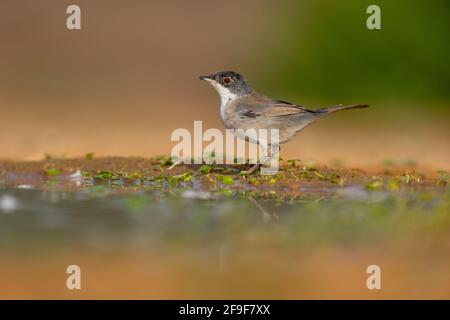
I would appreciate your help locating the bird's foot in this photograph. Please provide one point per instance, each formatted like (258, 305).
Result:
(176, 163)
(252, 169)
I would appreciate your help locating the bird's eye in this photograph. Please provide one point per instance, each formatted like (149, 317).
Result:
(227, 80)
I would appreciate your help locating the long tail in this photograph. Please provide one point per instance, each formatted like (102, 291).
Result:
(328, 110)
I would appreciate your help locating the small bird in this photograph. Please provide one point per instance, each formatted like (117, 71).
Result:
(242, 107)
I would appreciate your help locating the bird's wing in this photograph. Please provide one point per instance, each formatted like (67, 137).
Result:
(290, 108)
(272, 108)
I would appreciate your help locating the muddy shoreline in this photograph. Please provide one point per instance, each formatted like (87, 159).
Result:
(294, 178)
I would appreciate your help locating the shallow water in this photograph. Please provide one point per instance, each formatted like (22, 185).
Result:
(139, 241)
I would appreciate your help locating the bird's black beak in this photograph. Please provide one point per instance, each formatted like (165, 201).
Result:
(205, 77)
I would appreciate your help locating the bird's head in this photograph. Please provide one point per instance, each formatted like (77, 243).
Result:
(228, 83)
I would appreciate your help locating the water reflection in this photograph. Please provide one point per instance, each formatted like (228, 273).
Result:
(190, 243)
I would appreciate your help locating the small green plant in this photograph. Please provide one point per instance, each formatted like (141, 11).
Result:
(392, 185)
(319, 175)
(334, 177)
(105, 175)
(227, 179)
(303, 174)
(292, 162)
(52, 172)
(375, 184)
(442, 178)
(184, 177)
(205, 169)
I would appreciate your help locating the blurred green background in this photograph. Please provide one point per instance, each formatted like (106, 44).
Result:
(324, 49)
(124, 82)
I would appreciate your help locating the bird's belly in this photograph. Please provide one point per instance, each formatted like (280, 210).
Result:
(287, 127)
(249, 130)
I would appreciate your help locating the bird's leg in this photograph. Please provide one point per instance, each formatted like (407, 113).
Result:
(259, 163)
(175, 164)
(271, 152)
(255, 166)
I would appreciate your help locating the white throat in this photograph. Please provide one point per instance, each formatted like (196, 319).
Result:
(226, 96)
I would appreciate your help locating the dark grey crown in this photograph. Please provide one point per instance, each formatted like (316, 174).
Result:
(231, 80)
